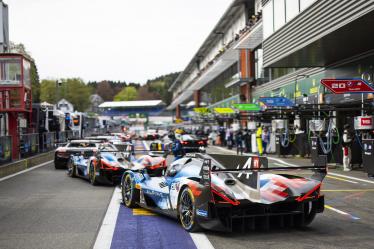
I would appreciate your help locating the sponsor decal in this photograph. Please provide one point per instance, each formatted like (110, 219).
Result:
(366, 122)
(202, 213)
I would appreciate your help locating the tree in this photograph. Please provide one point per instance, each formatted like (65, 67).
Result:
(73, 90)
(127, 94)
(105, 91)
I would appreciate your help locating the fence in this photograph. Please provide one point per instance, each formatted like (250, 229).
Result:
(5, 149)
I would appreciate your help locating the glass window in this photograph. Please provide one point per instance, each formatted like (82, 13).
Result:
(292, 9)
(279, 14)
(305, 4)
(10, 71)
(26, 73)
(259, 64)
(268, 19)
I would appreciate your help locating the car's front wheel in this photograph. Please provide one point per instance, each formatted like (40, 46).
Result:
(71, 169)
(92, 175)
(187, 212)
(128, 192)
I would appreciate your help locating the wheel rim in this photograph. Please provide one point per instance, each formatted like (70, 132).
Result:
(186, 210)
(127, 190)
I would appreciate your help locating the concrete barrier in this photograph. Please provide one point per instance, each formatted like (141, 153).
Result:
(17, 166)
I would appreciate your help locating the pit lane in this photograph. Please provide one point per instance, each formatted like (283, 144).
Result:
(44, 208)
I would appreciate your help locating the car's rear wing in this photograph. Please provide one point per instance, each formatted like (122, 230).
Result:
(247, 170)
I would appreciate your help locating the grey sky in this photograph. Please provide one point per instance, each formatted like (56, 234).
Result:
(130, 40)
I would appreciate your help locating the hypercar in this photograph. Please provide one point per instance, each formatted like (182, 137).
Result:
(106, 166)
(192, 143)
(62, 153)
(225, 192)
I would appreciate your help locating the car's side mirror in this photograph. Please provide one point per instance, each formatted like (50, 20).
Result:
(172, 172)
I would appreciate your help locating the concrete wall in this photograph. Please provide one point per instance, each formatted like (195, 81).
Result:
(20, 165)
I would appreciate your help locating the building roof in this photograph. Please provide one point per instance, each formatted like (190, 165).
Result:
(138, 103)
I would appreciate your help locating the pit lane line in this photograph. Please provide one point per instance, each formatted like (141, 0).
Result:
(25, 171)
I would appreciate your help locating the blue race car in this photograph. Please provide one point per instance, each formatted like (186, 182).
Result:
(105, 166)
(223, 192)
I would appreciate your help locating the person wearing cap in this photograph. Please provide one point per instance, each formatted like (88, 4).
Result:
(347, 151)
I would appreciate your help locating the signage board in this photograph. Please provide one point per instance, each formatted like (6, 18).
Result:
(247, 107)
(276, 102)
(344, 86)
(224, 110)
(202, 110)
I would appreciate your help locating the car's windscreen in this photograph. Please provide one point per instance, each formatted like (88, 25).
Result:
(188, 137)
(82, 145)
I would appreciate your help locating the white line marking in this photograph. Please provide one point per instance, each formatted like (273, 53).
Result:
(340, 179)
(201, 241)
(25, 171)
(341, 212)
(352, 178)
(105, 236)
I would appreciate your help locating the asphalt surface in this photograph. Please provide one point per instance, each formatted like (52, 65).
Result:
(45, 208)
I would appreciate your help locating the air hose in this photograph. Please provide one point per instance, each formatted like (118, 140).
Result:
(336, 142)
(327, 147)
(285, 139)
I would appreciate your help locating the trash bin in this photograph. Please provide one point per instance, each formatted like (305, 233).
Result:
(368, 156)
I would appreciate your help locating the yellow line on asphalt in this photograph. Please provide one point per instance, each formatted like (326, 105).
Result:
(348, 190)
(341, 179)
(141, 211)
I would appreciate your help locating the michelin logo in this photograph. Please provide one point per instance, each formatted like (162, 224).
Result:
(202, 213)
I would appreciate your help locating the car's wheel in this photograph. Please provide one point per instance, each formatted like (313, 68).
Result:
(187, 212)
(71, 169)
(92, 175)
(309, 213)
(128, 192)
(59, 166)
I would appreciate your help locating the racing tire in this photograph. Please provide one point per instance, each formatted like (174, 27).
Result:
(92, 175)
(71, 169)
(187, 211)
(128, 192)
(59, 166)
(309, 213)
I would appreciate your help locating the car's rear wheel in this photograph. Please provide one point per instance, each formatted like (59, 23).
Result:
(92, 175)
(309, 213)
(71, 169)
(187, 212)
(59, 165)
(128, 192)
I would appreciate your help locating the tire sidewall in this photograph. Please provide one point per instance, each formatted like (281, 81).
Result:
(194, 226)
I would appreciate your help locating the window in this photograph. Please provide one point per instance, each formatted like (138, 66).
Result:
(305, 4)
(292, 9)
(268, 19)
(26, 73)
(10, 73)
(259, 74)
(279, 14)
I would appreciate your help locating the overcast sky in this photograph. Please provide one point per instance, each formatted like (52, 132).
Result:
(132, 40)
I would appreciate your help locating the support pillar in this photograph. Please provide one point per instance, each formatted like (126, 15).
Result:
(13, 133)
(178, 112)
(197, 98)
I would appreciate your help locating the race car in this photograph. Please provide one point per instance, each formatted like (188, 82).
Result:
(192, 143)
(62, 153)
(106, 166)
(151, 134)
(225, 192)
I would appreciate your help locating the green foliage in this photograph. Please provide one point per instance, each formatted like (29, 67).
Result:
(73, 90)
(127, 94)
